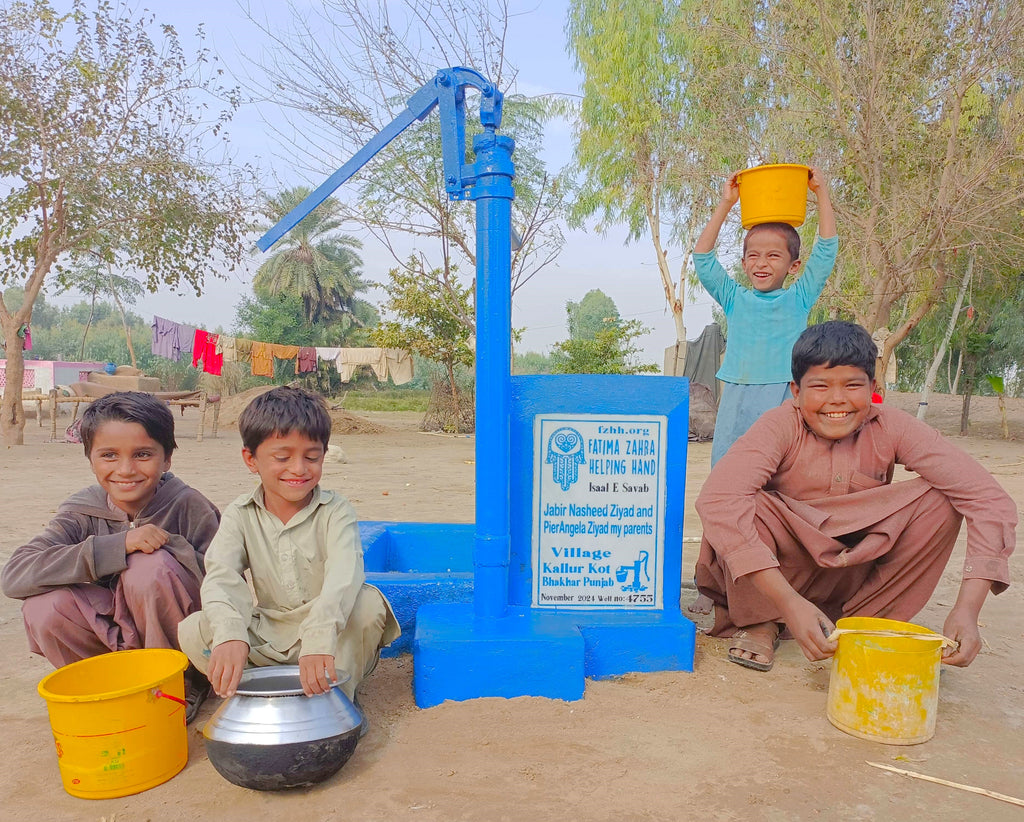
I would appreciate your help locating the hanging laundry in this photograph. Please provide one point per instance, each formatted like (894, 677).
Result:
(226, 348)
(168, 337)
(187, 336)
(329, 354)
(243, 349)
(285, 352)
(204, 347)
(262, 360)
(306, 363)
(400, 365)
(349, 359)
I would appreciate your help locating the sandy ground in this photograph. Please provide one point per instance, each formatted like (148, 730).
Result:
(721, 743)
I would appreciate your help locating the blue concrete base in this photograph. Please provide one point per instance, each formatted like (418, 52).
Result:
(525, 653)
(414, 563)
(622, 643)
(539, 653)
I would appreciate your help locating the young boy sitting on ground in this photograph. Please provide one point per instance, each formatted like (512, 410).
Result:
(301, 545)
(121, 563)
(803, 524)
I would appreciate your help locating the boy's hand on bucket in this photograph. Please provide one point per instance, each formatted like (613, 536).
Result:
(731, 190)
(227, 663)
(962, 622)
(964, 629)
(816, 180)
(316, 673)
(810, 628)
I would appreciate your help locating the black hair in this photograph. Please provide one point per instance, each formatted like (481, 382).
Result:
(834, 343)
(785, 230)
(130, 406)
(282, 410)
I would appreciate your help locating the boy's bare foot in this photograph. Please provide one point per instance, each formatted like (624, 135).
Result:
(701, 605)
(754, 646)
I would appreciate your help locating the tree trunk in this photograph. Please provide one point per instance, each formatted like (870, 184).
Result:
(1002, 416)
(12, 412)
(672, 299)
(933, 370)
(455, 398)
(124, 321)
(959, 369)
(965, 409)
(88, 324)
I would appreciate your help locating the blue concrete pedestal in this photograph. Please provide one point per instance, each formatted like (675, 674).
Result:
(414, 563)
(525, 653)
(529, 652)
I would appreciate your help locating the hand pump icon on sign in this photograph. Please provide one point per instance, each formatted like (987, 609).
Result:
(640, 565)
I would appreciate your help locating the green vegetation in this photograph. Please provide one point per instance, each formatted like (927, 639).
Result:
(395, 399)
(106, 135)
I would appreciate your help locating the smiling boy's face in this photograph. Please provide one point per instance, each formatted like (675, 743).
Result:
(766, 260)
(289, 466)
(833, 400)
(128, 464)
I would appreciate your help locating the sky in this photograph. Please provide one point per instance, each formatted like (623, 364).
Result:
(536, 46)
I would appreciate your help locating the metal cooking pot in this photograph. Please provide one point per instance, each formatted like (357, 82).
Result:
(270, 735)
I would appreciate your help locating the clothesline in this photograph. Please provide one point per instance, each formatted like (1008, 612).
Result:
(171, 340)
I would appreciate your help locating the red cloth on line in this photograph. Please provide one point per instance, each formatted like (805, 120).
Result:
(204, 347)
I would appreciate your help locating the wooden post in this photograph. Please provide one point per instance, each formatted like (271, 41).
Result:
(53, 415)
(216, 417)
(202, 416)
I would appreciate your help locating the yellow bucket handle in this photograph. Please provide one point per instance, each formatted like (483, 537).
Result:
(946, 641)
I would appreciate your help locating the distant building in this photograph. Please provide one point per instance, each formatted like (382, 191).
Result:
(46, 374)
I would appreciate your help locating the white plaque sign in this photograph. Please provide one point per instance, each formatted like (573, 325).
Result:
(599, 510)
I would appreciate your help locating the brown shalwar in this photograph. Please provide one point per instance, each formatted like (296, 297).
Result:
(85, 595)
(826, 513)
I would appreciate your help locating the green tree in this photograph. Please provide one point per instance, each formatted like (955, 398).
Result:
(427, 319)
(97, 279)
(591, 315)
(531, 362)
(914, 110)
(312, 262)
(651, 92)
(341, 95)
(105, 146)
(612, 350)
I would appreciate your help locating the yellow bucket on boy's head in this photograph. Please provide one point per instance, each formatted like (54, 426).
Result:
(885, 688)
(773, 194)
(118, 721)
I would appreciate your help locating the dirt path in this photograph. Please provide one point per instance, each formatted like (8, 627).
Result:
(722, 743)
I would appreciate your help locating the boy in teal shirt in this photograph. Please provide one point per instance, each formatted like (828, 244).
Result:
(765, 320)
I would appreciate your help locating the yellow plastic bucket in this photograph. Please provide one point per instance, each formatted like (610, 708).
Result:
(118, 721)
(773, 194)
(885, 689)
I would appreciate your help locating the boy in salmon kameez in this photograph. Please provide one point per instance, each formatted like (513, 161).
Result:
(803, 524)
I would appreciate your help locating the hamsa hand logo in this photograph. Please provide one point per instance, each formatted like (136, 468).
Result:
(565, 455)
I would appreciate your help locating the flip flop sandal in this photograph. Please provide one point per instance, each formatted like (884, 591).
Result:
(744, 641)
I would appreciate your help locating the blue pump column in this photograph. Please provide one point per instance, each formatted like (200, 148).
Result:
(493, 194)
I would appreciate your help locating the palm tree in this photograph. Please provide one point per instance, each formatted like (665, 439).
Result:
(322, 270)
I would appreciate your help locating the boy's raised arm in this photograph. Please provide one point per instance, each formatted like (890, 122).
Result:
(709, 236)
(826, 216)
